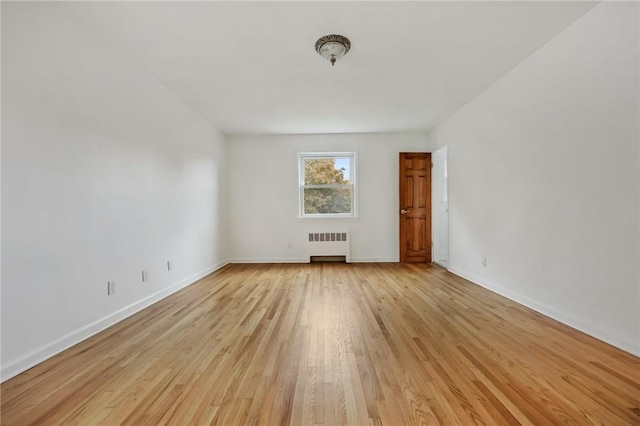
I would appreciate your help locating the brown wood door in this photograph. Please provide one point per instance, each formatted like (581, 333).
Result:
(415, 207)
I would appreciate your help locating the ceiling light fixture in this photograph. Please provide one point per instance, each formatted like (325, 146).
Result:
(333, 47)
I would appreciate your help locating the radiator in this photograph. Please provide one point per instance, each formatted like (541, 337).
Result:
(333, 243)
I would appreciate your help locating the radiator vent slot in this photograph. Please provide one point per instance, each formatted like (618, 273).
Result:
(317, 237)
(329, 243)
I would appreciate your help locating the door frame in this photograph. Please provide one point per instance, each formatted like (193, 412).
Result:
(440, 188)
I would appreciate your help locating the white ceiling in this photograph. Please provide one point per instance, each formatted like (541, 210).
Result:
(251, 67)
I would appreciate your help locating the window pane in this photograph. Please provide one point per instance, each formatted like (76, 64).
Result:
(327, 200)
(327, 171)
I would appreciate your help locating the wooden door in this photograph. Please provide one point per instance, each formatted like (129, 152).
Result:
(415, 207)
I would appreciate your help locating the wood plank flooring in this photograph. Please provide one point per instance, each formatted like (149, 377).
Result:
(328, 344)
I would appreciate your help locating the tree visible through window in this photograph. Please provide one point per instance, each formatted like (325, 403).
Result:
(327, 184)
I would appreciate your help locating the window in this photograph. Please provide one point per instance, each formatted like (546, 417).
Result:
(327, 183)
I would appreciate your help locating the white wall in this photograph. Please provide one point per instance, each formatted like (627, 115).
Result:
(543, 179)
(263, 195)
(104, 173)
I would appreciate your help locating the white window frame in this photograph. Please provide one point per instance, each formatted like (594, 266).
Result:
(302, 156)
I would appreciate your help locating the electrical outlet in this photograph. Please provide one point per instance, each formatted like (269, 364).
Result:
(169, 266)
(145, 275)
(484, 262)
(111, 288)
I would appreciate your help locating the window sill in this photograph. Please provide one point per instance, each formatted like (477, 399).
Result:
(342, 218)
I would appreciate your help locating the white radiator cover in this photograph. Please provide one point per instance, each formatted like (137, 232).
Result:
(328, 243)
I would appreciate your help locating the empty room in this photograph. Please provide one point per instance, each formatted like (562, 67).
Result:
(320, 213)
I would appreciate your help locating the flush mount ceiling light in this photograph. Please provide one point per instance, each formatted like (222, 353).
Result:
(333, 47)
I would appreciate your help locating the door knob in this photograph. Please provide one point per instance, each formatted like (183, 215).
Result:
(403, 211)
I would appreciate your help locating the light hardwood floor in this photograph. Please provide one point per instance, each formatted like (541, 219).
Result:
(328, 344)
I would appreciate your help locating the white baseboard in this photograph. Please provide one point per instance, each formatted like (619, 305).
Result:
(270, 260)
(306, 260)
(45, 352)
(590, 329)
(374, 260)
